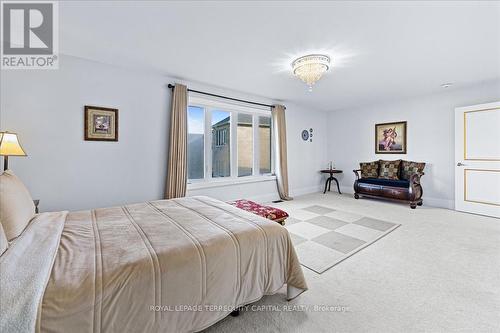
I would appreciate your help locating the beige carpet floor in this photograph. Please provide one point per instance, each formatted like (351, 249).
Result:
(438, 272)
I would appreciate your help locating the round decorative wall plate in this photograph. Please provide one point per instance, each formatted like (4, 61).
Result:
(305, 135)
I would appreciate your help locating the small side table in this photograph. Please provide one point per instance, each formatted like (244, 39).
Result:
(329, 180)
(36, 202)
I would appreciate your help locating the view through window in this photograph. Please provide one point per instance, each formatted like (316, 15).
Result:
(235, 144)
(196, 142)
(245, 144)
(265, 145)
(221, 154)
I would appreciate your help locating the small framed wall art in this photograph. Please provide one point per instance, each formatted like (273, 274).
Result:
(101, 124)
(390, 138)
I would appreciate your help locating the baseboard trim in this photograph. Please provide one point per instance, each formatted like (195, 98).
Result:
(269, 197)
(306, 190)
(441, 203)
(432, 202)
(347, 189)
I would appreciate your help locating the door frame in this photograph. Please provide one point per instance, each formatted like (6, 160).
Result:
(465, 165)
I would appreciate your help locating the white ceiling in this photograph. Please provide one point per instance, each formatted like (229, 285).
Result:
(381, 51)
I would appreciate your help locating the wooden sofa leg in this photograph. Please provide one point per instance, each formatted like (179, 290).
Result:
(356, 196)
(413, 205)
(420, 203)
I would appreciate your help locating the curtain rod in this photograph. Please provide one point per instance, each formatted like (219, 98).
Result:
(171, 86)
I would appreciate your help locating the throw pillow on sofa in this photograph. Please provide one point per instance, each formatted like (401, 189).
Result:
(409, 168)
(389, 169)
(369, 169)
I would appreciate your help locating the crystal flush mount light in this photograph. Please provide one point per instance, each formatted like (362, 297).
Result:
(310, 68)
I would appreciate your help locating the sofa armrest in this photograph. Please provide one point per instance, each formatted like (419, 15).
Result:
(356, 172)
(415, 178)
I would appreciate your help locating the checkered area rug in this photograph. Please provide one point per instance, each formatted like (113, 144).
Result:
(323, 237)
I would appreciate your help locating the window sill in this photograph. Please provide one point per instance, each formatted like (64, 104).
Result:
(229, 182)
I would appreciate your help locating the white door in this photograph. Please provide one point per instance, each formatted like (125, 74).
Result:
(477, 159)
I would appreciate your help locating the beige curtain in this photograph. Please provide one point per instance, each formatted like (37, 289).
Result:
(177, 153)
(281, 165)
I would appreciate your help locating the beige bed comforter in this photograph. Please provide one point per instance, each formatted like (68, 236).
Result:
(171, 266)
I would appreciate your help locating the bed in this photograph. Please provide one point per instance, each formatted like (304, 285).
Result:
(171, 265)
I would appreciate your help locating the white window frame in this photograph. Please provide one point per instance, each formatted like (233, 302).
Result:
(234, 109)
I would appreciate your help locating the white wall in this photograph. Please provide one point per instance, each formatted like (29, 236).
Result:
(46, 109)
(305, 159)
(430, 136)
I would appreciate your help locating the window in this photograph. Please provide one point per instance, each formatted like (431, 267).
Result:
(265, 144)
(227, 141)
(221, 153)
(196, 142)
(245, 144)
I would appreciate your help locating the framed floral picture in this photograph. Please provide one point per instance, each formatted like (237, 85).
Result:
(101, 124)
(390, 138)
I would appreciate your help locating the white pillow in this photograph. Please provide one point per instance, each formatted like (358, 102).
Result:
(16, 205)
(3, 241)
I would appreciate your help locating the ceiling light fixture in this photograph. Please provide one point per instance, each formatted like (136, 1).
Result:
(446, 85)
(310, 68)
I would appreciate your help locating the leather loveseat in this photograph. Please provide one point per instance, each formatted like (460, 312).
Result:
(394, 180)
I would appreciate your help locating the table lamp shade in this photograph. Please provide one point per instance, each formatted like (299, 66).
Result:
(9, 145)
